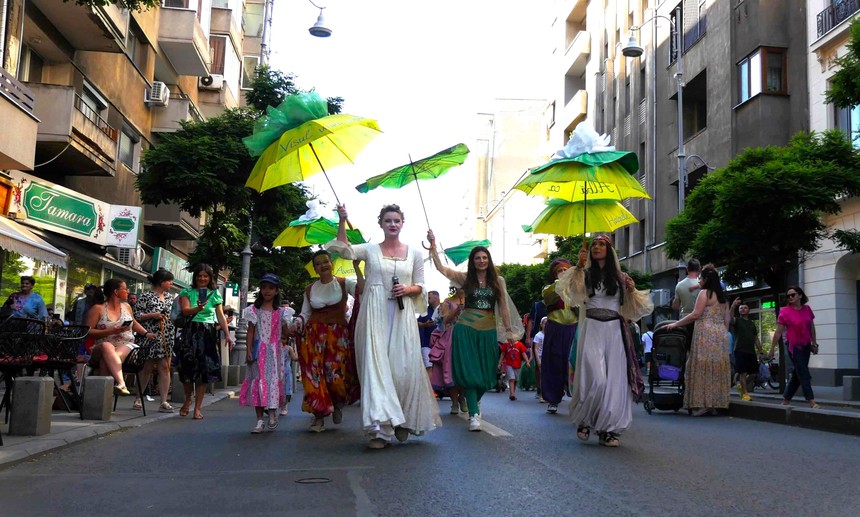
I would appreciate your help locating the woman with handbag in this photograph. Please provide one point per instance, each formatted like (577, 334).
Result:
(152, 311)
(796, 321)
(112, 324)
(199, 351)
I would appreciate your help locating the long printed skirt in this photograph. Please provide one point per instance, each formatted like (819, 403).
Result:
(555, 359)
(199, 354)
(264, 381)
(475, 357)
(323, 357)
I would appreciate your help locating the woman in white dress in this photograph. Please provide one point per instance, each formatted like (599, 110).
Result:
(607, 378)
(396, 397)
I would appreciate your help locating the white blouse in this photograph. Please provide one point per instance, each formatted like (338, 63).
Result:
(323, 295)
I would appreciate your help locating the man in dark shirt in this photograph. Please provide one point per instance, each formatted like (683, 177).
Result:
(426, 326)
(747, 344)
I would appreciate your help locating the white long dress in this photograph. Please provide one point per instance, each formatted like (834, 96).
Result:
(395, 388)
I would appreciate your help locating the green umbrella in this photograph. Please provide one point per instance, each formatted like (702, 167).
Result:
(315, 231)
(459, 253)
(424, 169)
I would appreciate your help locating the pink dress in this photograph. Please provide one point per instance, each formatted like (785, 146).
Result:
(442, 376)
(264, 382)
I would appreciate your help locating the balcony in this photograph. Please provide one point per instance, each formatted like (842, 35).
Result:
(835, 14)
(576, 55)
(224, 22)
(183, 40)
(87, 142)
(20, 125)
(171, 222)
(97, 29)
(180, 107)
(574, 111)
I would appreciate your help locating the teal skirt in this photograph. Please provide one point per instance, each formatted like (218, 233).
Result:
(475, 357)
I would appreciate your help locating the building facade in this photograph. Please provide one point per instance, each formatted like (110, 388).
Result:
(101, 84)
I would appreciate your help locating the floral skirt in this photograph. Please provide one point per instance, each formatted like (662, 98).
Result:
(199, 354)
(324, 357)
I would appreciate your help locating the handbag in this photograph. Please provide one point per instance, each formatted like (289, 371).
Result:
(764, 371)
(179, 320)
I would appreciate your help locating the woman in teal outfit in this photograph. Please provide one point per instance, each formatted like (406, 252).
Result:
(489, 317)
(198, 351)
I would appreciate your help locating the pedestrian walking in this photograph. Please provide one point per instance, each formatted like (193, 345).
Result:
(263, 387)
(707, 377)
(324, 344)
(747, 346)
(152, 311)
(396, 397)
(536, 324)
(442, 374)
(607, 378)
(488, 318)
(559, 333)
(511, 362)
(198, 351)
(537, 350)
(795, 321)
(686, 294)
(426, 326)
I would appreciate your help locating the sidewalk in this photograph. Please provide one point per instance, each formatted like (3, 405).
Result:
(68, 428)
(835, 415)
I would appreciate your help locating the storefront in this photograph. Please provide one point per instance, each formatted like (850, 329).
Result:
(22, 253)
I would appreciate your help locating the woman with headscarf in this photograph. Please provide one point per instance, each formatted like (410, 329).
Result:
(559, 333)
(607, 378)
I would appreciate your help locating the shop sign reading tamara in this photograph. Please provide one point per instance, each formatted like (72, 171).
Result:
(58, 209)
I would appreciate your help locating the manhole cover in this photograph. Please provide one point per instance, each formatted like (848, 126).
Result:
(313, 481)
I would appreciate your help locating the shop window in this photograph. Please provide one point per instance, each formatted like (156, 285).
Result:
(249, 68)
(217, 48)
(763, 71)
(82, 271)
(13, 266)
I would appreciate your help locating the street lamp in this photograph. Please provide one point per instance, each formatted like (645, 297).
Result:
(319, 29)
(633, 49)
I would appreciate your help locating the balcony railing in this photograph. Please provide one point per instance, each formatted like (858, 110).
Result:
(95, 118)
(835, 14)
(16, 92)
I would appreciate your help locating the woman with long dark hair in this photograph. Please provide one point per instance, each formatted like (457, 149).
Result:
(324, 351)
(112, 324)
(796, 322)
(708, 374)
(152, 311)
(199, 352)
(396, 397)
(607, 378)
(488, 318)
(559, 333)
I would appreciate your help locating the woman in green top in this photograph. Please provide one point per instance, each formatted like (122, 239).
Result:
(199, 352)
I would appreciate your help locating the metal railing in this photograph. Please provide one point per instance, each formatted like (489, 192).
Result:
(834, 14)
(16, 92)
(91, 115)
(193, 112)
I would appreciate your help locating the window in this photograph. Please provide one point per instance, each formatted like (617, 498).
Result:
(135, 46)
(848, 120)
(249, 66)
(696, 105)
(129, 148)
(177, 4)
(217, 49)
(94, 105)
(252, 20)
(763, 71)
(694, 29)
(643, 82)
(31, 65)
(673, 35)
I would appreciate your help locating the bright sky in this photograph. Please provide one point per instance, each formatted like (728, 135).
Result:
(423, 70)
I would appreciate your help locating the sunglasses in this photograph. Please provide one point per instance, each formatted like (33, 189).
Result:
(790, 295)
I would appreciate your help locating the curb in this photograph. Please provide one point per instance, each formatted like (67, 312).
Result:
(13, 454)
(831, 420)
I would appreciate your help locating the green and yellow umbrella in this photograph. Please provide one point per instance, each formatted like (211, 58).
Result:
(567, 219)
(300, 234)
(459, 253)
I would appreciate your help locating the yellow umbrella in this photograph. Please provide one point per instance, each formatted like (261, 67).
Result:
(613, 184)
(566, 219)
(340, 267)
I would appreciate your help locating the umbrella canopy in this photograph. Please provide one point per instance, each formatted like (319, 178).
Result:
(459, 253)
(423, 169)
(615, 183)
(340, 267)
(317, 231)
(567, 219)
(294, 142)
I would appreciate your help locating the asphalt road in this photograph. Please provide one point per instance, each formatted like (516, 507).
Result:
(529, 464)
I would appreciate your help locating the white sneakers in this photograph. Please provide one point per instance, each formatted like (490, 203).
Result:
(258, 429)
(475, 423)
(552, 409)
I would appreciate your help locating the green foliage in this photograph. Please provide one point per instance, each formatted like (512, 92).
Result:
(844, 89)
(270, 87)
(764, 208)
(525, 283)
(134, 5)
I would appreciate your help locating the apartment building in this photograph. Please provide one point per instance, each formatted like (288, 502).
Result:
(87, 90)
(830, 276)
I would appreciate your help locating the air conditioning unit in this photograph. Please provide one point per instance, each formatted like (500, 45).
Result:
(212, 82)
(128, 256)
(661, 297)
(159, 94)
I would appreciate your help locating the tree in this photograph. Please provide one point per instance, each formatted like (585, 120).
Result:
(134, 5)
(205, 164)
(844, 89)
(763, 210)
(525, 283)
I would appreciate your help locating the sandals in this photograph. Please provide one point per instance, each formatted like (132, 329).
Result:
(583, 433)
(273, 420)
(198, 415)
(609, 440)
(183, 411)
(138, 405)
(165, 408)
(814, 405)
(121, 390)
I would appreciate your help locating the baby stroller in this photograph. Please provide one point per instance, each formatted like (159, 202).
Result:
(666, 373)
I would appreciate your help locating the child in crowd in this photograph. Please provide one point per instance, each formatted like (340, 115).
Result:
(263, 387)
(537, 341)
(290, 355)
(511, 362)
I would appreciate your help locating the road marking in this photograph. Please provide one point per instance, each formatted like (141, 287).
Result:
(487, 427)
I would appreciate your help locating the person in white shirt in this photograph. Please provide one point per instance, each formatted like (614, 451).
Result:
(537, 343)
